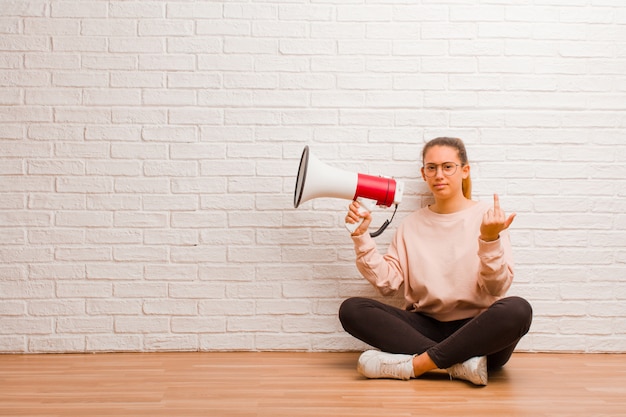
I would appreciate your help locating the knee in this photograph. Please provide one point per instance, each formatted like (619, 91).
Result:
(520, 312)
(351, 310)
(347, 309)
(522, 307)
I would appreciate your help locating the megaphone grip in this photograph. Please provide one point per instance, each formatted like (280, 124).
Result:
(365, 205)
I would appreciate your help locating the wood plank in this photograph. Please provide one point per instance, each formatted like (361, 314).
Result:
(277, 384)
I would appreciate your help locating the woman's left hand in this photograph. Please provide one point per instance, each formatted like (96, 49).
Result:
(494, 221)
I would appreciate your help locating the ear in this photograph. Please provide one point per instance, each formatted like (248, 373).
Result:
(423, 176)
(466, 171)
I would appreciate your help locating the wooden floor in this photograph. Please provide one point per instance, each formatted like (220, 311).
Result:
(300, 384)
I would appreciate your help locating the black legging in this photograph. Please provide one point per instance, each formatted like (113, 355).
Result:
(493, 333)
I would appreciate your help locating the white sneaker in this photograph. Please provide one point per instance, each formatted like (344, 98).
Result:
(473, 370)
(376, 364)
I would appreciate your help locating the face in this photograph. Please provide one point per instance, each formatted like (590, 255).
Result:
(442, 160)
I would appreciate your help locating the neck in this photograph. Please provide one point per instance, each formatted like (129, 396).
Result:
(451, 205)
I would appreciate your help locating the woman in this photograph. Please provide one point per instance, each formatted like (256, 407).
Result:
(454, 260)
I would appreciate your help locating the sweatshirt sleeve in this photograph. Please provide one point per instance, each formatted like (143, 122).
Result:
(495, 274)
(383, 272)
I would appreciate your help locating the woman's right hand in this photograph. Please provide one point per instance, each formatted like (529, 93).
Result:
(354, 216)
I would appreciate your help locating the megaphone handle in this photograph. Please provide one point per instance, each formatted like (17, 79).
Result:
(365, 205)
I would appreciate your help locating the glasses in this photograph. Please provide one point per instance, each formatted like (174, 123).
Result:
(448, 169)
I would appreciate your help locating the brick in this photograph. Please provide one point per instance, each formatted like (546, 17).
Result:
(241, 45)
(57, 272)
(115, 343)
(142, 185)
(253, 255)
(81, 150)
(227, 308)
(136, 80)
(198, 325)
(171, 237)
(195, 45)
(139, 289)
(25, 113)
(134, 116)
(194, 10)
(108, 27)
(228, 341)
(184, 80)
(141, 325)
(171, 272)
(292, 307)
(56, 167)
(171, 168)
(254, 324)
(169, 342)
(111, 97)
(57, 344)
(227, 273)
(138, 151)
(56, 60)
(82, 254)
(113, 202)
(170, 307)
(203, 253)
(140, 254)
(110, 62)
(52, 236)
(13, 237)
(306, 12)
(25, 326)
(25, 43)
(137, 9)
(197, 220)
(316, 325)
(12, 272)
(116, 270)
(192, 117)
(178, 62)
(83, 219)
(164, 27)
(169, 202)
(171, 97)
(117, 168)
(53, 97)
(113, 307)
(19, 254)
(12, 97)
(56, 308)
(84, 289)
(194, 186)
(82, 44)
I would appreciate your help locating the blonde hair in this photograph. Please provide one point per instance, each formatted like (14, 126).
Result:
(457, 144)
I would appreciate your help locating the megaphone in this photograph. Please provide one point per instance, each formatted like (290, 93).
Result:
(317, 179)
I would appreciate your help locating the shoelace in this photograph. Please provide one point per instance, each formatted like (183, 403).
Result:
(461, 372)
(392, 369)
(467, 371)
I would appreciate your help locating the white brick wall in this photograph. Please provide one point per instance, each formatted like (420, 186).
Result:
(148, 152)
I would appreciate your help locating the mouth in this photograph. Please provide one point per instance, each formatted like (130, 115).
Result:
(439, 186)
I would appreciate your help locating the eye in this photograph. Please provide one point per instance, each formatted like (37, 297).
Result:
(448, 166)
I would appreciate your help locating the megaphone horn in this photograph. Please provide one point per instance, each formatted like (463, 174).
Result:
(317, 179)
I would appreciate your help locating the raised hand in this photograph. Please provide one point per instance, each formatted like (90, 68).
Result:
(494, 221)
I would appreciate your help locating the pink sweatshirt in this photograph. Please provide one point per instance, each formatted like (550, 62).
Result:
(447, 271)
